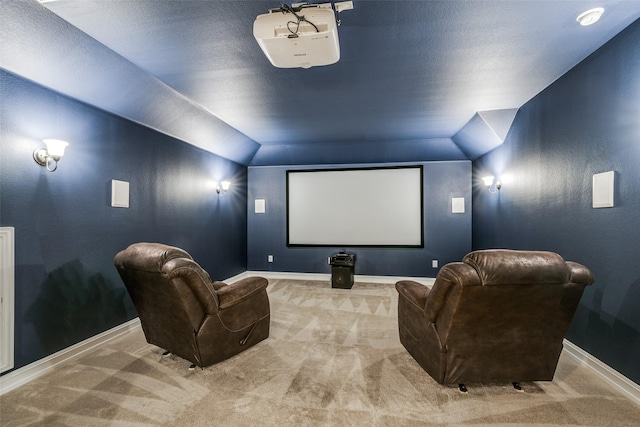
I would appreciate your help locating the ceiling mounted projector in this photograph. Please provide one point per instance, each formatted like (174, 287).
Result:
(301, 35)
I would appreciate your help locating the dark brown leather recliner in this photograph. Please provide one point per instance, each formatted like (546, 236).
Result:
(499, 315)
(186, 313)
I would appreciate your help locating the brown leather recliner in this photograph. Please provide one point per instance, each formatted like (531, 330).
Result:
(499, 315)
(186, 313)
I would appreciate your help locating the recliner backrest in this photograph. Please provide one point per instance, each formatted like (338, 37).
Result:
(170, 291)
(149, 257)
(508, 267)
(505, 305)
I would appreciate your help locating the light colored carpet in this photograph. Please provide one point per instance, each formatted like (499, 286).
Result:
(333, 359)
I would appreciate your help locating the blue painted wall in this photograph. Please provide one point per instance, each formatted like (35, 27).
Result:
(587, 122)
(66, 233)
(447, 236)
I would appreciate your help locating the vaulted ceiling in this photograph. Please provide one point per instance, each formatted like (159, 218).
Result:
(416, 81)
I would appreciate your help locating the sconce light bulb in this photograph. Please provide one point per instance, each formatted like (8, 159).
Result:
(55, 147)
(488, 180)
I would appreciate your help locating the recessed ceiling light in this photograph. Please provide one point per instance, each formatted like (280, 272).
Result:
(589, 17)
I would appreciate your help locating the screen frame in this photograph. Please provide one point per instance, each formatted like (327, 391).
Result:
(420, 168)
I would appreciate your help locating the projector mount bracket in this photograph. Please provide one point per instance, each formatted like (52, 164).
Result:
(337, 7)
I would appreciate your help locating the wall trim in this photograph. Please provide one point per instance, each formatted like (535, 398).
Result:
(604, 371)
(327, 277)
(34, 370)
(7, 297)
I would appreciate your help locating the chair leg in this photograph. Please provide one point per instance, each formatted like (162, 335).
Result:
(462, 388)
(517, 387)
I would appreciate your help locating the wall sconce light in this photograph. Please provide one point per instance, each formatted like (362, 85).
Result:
(50, 155)
(489, 183)
(223, 187)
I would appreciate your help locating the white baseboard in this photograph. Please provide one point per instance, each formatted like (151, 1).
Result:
(30, 372)
(327, 277)
(604, 371)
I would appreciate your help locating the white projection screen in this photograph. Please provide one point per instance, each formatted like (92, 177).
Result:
(380, 207)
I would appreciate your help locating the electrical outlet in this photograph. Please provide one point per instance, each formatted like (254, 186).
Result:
(269, 258)
(434, 263)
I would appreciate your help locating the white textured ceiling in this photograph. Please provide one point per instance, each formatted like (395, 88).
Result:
(410, 73)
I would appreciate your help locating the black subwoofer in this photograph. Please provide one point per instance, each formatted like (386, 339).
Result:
(342, 270)
(341, 277)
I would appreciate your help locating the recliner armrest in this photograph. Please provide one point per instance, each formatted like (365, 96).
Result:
(416, 293)
(234, 293)
(580, 274)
